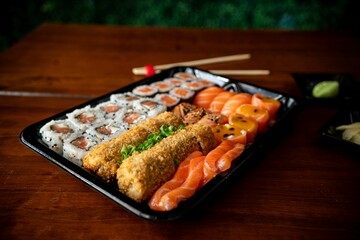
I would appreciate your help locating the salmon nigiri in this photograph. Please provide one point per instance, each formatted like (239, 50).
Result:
(234, 102)
(206, 96)
(219, 101)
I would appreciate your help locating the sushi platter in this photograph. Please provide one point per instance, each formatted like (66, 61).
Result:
(77, 138)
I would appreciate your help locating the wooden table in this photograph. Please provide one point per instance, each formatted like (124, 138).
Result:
(299, 188)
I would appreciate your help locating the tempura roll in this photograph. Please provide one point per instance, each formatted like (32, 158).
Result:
(104, 158)
(140, 175)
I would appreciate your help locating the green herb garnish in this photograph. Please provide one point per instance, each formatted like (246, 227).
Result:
(151, 140)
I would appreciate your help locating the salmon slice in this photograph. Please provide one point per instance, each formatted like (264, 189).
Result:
(210, 168)
(110, 108)
(219, 101)
(270, 104)
(180, 176)
(171, 199)
(234, 102)
(206, 96)
(225, 161)
(258, 114)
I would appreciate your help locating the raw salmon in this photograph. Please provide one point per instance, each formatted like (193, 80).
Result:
(225, 161)
(234, 102)
(219, 101)
(171, 199)
(206, 96)
(210, 168)
(180, 176)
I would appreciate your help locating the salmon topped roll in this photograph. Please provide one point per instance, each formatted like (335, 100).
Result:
(104, 158)
(140, 175)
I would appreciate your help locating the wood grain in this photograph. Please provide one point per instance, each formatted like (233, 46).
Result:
(299, 187)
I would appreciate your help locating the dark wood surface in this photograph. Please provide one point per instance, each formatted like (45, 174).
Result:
(300, 187)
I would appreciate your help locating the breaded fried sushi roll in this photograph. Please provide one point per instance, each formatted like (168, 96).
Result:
(105, 157)
(140, 175)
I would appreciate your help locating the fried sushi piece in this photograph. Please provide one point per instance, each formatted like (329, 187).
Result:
(104, 158)
(140, 175)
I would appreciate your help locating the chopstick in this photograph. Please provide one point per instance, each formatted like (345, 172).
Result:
(142, 70)
(242, 72)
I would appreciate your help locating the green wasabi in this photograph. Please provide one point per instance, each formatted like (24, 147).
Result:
(326, 89)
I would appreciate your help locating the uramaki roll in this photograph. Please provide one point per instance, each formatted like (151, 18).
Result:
(104, 158)
(140, 175)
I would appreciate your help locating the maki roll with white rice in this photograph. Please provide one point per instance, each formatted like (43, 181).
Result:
(163, 86)
(77, 145)
(167, 99)
(193, 85)
(185, 76)
(85, 117)
(205, 83)
(150, 106)
(110, 108)
(145, 91)
(107, 130)
(182, 93)
(131, 117)
(54, 132)
(124, 99)
(174, 81)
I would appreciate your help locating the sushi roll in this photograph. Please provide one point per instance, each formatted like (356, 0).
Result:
(193, 85)
(163, 86)
(54, 132)
(174, 81)
(185, 76)
(167, 99)
(77, 145)
(124, 99)
(150, 106)
(205, 83)
(85, 117)
(182, 93)
(145, 91)
(104, 159)
(110, 108)
(106, 130)
(130, 117)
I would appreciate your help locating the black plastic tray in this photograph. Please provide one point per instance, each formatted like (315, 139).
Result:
(31, 137)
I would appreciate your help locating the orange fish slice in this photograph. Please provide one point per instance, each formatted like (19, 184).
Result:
(179, 178)
(225, 161)
(230, 132)
(258, 114)
(219, 101)
(171, 199)
(234, 102)
(206, 96)
(210, 168)
(270, 104)
(246, 123)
